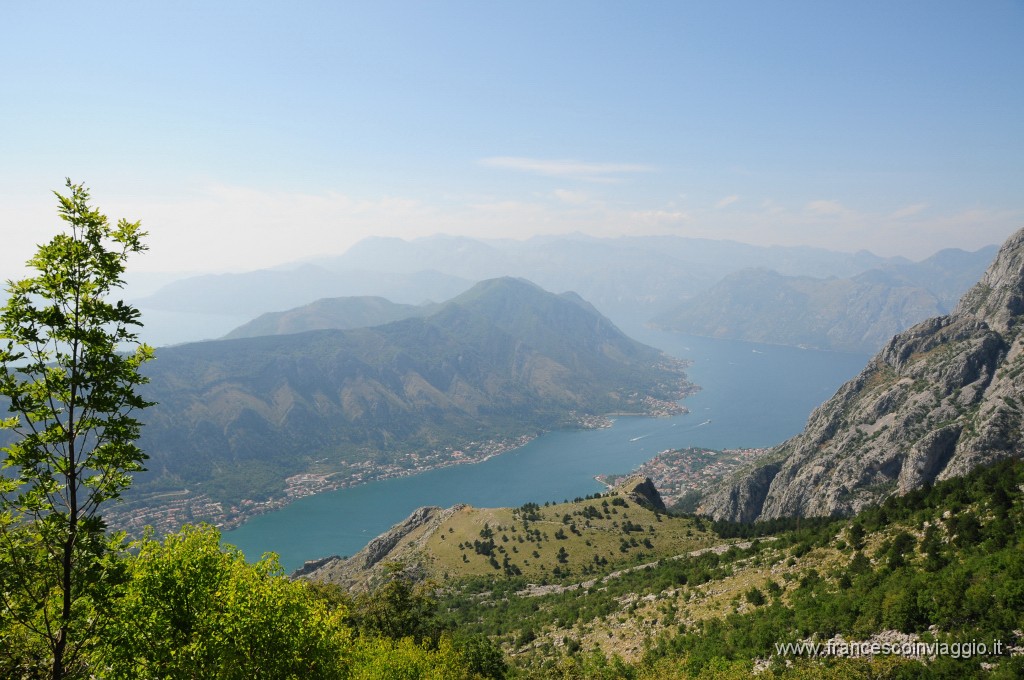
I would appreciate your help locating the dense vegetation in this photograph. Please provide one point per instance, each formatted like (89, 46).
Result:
(188, 607)
(943, 564)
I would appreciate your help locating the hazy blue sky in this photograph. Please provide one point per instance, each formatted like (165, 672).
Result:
(244, 134)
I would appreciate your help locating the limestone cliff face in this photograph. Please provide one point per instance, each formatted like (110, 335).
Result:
(641, 490)
(401, 543)
(937, 400)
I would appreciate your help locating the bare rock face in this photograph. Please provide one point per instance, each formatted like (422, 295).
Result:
(399, 544)
(641, 490)
(744, 499)
(939, 399)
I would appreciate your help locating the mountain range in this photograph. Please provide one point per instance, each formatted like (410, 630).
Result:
(503, 360)
(852, 314)
(632, 280)
(922, 450)
(628, 279)
(939, 399)
(270, 290)
(341, 313)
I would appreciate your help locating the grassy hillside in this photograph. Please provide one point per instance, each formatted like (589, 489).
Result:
(581, 539)
(938, 566)
(564, 539)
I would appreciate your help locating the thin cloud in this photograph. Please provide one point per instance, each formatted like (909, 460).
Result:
(659, 218)
(826, 208)
(199, 231)
(908, 211)
(571, 197)
(591, 172)
(727, 201)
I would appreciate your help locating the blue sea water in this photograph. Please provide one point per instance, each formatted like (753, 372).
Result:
(752, 395)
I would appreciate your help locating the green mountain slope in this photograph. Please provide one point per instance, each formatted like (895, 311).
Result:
(340, 313)
(583, 537)
(929, 577)
(507, 359)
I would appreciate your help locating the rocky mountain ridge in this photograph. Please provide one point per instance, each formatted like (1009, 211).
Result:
(851, 314)
(401, 543)
(938, 400)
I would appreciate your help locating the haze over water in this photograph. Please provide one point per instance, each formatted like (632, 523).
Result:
(752, 395)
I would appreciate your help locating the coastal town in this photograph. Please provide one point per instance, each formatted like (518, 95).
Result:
(680, 475)
(166, 512)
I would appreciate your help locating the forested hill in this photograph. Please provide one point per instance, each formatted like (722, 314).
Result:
(504, 360)
(340, 312)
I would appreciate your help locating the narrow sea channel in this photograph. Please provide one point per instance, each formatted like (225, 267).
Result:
(752, 395)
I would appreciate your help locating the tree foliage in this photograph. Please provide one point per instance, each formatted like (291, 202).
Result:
(398, 608)
(192, 609)
(71, 388)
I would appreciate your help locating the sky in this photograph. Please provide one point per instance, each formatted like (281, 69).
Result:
(248, 134)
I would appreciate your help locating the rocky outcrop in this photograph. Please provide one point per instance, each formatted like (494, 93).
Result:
(401, 543)
(936, 401)
(744, 499)
(641, 490)
(310, 566)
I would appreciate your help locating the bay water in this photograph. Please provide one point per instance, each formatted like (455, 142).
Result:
(752, 395)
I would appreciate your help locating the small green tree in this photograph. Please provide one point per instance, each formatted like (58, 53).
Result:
(398, 608)
(71, 386)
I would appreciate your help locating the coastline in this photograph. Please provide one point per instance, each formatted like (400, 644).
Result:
(173, 509)
(136, 516)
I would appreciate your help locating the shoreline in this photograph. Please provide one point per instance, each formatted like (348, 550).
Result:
(185, 507)
(167, 518)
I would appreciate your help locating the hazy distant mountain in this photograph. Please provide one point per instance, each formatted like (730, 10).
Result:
(857, 314)
(269, 290)
(340, 313)
(936, 401)
(504, 359)
(548, 255)
(628, 279)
